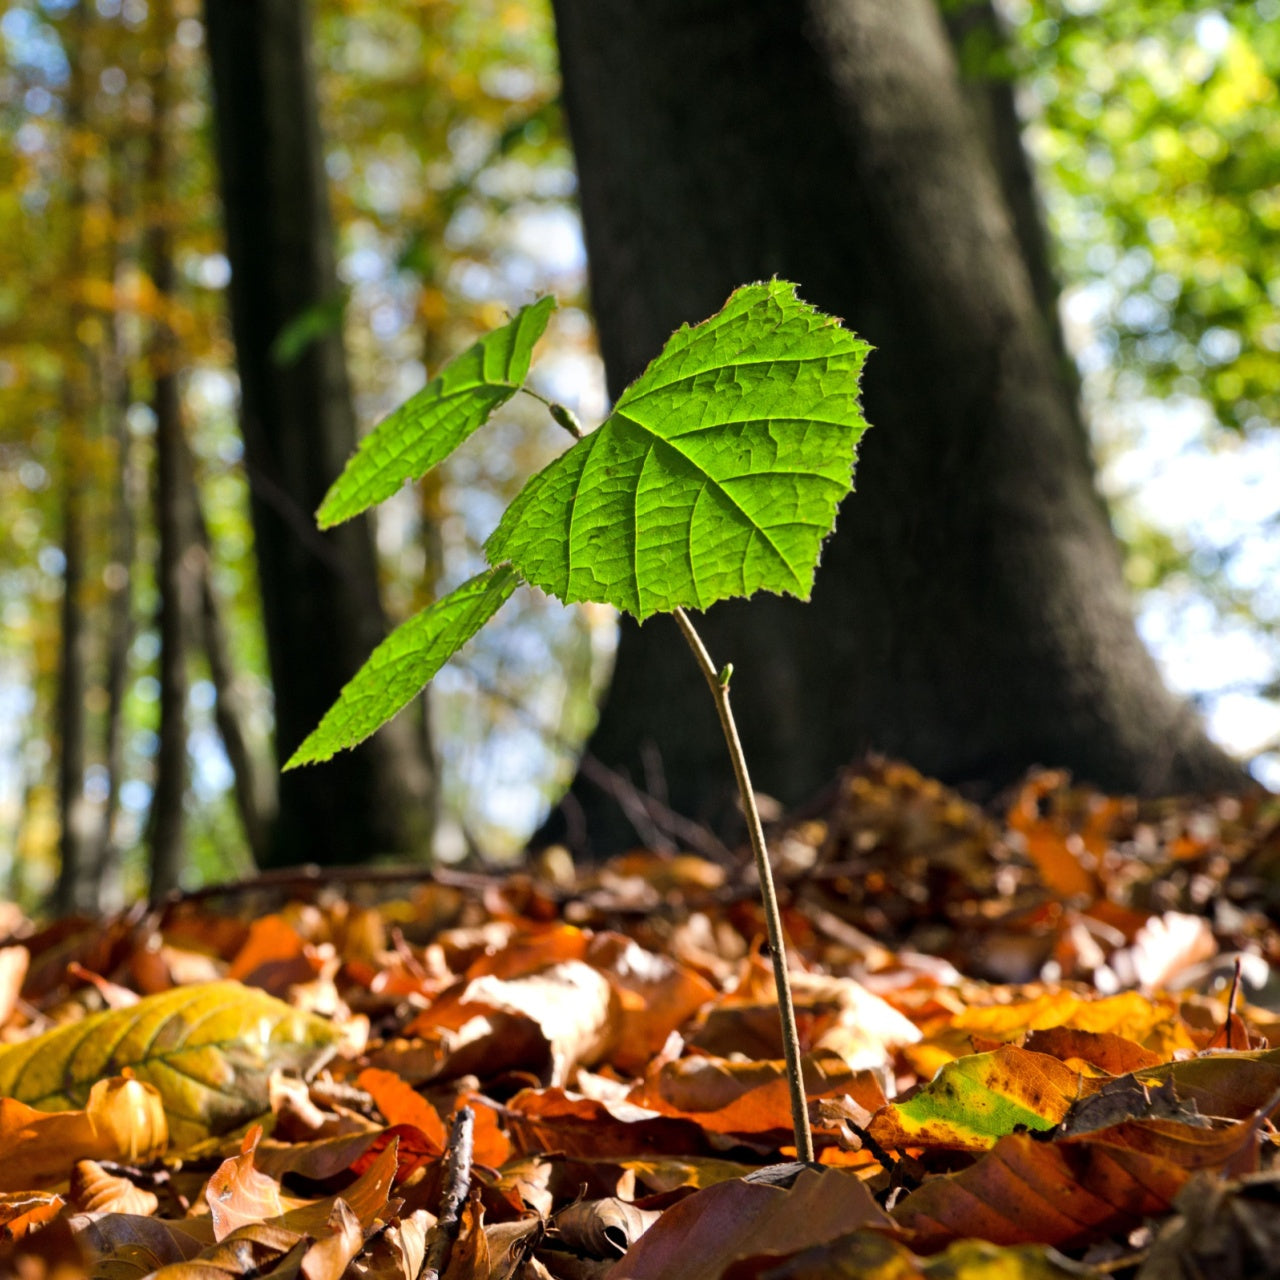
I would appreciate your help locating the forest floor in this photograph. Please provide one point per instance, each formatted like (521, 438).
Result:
(1035, 1044)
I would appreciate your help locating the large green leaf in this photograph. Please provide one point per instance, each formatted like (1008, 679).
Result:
(717, 474)
(209, 1050)
(406, 661)
(429, 426)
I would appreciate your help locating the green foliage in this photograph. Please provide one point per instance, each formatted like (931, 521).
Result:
(427, 428)
(1156, 123)
(718, 474)
(405, 662)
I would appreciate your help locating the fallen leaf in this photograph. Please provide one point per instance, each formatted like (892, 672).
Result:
(94, 1190)
(209, 1051)
(656, 996)
(238, 1193)
(973, 1102)
(402, 1106)
(549, 1120)
(124, 1120)
(1066, 1192)
(700, 1236)
(570, 1003)
(23, 1211)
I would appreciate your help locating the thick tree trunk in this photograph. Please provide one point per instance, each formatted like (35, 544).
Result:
(75, 817)
(321, 605)
(171, 501)
(970, 613)
(174, 589)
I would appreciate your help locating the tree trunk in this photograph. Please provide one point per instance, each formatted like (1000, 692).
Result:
(173, 516)
(970, 613)
(985, 62)
(254, 787)
(321, 604)
(75, 818)
(126, 498)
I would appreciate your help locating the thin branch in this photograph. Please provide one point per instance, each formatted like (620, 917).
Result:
(456, 1178)
(718, 682)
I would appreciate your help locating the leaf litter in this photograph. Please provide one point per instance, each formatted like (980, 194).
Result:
(1036, 1042)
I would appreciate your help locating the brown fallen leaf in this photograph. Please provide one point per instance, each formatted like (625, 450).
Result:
(1102, 1049)
(698, 1238)
(131, 1246)
(94, 1190)
(329, 1256)
(602, 1228)
(1226, 1229)
(239, 1193)
(550, 1120)
(570, 1003)
(274, 957)
(1070, 1191)
(656, 995)
(469, 1257)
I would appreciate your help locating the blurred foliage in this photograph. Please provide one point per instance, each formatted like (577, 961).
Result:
(1156, 128)
(452, 189)
(1159, 124)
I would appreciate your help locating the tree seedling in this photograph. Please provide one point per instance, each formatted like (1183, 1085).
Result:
(717, 474)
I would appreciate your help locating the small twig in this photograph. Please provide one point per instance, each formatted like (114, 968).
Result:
(718, 682)
(312, 878)
(1231, 1002)
(343, 1094)
(650, 815)
(453, 1195)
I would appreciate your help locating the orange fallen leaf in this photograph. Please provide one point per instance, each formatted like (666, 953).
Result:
(123, 1120)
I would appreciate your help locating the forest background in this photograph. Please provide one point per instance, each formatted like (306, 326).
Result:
(136, 707)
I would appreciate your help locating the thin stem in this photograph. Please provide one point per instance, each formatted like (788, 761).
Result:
(563, 416)
(719, 685)
(537, 395)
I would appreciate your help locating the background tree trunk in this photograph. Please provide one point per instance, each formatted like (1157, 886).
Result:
(126, 499)
(321, 604)
(970, 613)
(253, 778)
(73, 889)
(172, 505)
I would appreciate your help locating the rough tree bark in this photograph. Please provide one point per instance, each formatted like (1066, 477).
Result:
(321, 605)
(970, 613)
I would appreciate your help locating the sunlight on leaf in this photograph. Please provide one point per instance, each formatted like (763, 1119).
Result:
(430, 425)
(977, 1099)
(404, 663)
(717, 474)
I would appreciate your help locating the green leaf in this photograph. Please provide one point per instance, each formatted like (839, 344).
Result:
(717, 474)
(429, 426)
(312, 325)
(978, 1099)
(405, 662)
(209, 1049)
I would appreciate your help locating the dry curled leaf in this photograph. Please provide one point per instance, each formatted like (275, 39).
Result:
(94, 1190)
